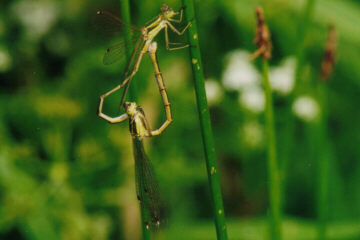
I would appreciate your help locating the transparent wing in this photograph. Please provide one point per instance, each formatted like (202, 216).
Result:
(116, 52)
(131, 61)
(146, 186)
(109, 23)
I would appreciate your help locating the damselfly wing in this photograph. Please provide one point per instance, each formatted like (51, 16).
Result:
(109, 23)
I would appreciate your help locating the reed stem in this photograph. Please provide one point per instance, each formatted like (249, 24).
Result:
(273, 168)
(323, 165)
(303, 32)
(205, 124)
(287, 142)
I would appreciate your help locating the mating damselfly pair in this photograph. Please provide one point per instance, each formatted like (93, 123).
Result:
(146, 184)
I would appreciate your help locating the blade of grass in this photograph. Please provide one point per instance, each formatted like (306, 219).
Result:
(205, 124)
(273, 168)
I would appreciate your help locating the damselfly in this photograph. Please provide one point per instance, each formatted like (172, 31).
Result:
(152, 51)
(147, 34)
(146, 185)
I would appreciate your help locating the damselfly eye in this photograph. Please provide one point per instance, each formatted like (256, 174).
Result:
(164, 7)
(126, 105)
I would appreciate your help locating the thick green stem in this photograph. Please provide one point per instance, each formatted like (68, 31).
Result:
(323, 165)
(125, 15)
(205, 124)
(273, 168)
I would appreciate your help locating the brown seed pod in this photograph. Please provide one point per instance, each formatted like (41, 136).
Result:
(328, 62)
(262, 37)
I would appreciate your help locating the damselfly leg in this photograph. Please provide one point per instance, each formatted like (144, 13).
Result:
(159, 79)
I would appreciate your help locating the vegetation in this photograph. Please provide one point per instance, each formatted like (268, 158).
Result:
(67, 174)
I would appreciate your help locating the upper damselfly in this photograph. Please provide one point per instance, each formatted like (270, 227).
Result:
(147, 34)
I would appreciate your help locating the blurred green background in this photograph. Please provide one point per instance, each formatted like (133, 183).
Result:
(67, 174)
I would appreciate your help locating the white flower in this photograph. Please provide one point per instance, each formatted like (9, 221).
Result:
(36, 16)
(253, 99)
(5, 60)
(306, 108)
(252, 134)
(282, 77)
(214, 93)
(240, 72)
(58, 43)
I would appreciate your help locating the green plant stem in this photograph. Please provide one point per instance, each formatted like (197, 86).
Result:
(125, 14)
(303, 32)
(205, 124)
(289, 127)
(323, 165)
(273, 168)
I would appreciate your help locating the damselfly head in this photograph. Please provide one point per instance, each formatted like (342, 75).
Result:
(167, 12)
(164, 7)
(130, 108)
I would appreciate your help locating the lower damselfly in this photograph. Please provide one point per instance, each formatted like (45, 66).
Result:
(146, 185)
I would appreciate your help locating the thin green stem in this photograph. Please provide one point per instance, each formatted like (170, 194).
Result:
(125, 15)
(323, 165)
(273, 168)
(287, 140)
(205, 124)
(303, 32)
